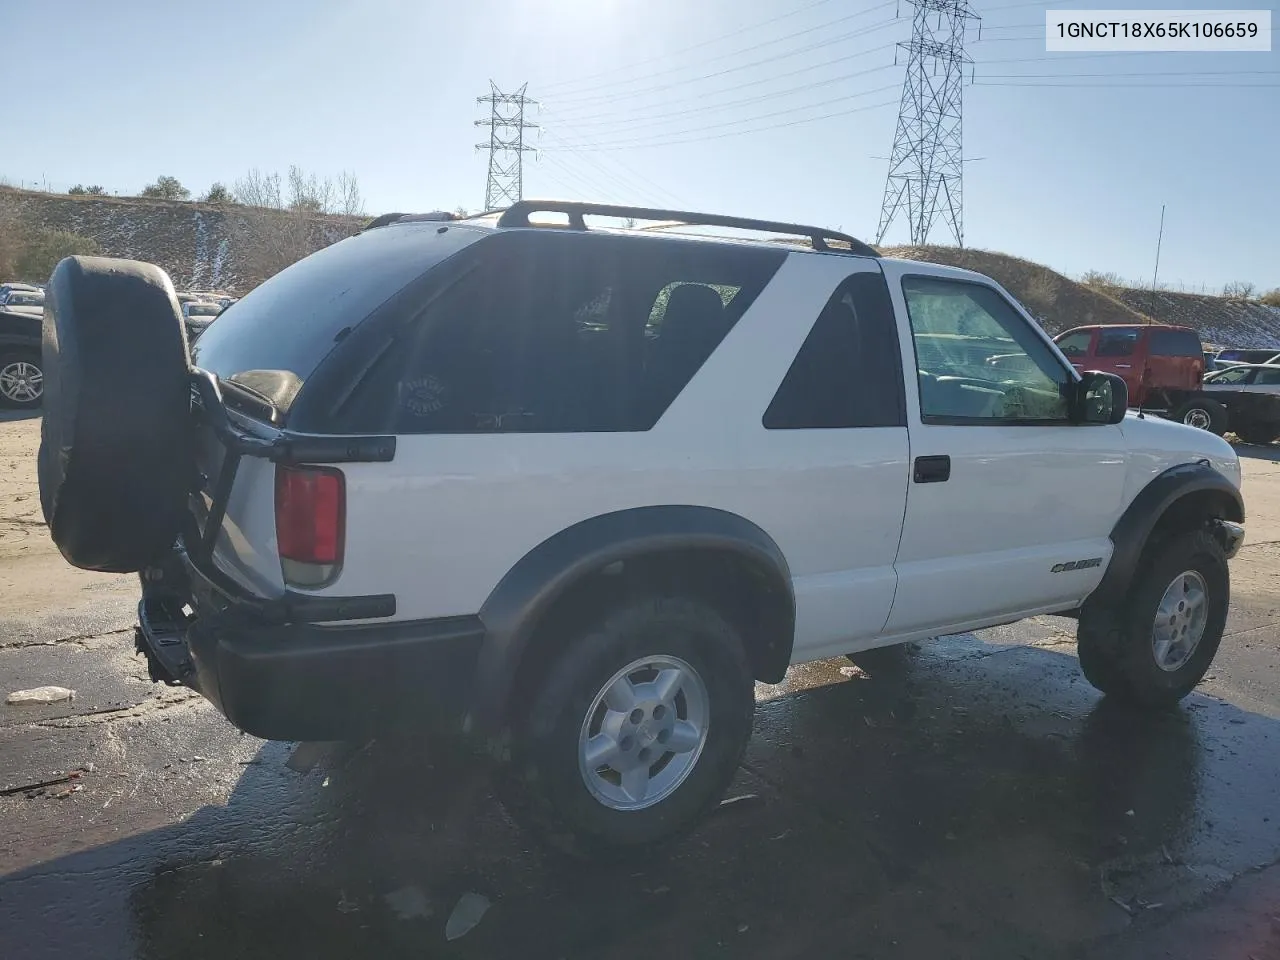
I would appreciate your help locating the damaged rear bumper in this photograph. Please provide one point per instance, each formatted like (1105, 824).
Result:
(305, 680)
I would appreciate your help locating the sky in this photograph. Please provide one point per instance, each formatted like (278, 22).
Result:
(779, 109)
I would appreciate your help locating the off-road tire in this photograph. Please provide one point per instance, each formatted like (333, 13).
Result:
(10, 356)
(542, 786)
(116, 448)
(1209, 415)
(1115, 644)
(1259, 433)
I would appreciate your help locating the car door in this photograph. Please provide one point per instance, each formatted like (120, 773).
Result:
(1011, 505)
(1119, 350)
(834, 437)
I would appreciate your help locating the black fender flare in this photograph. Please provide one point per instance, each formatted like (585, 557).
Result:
(1132, 531)
(513, 610)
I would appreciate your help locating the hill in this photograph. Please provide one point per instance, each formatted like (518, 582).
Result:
(1058, 302)
(1221, 321)
(201, 245)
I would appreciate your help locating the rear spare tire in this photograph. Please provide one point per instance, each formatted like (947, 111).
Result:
(116, 460)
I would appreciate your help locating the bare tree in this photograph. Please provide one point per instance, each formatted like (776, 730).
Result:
(349, 201)
(258, 189)
(288, 217)
(1097, 278)
(1238, 290)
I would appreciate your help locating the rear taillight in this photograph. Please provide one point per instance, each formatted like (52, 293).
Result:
(311, 507)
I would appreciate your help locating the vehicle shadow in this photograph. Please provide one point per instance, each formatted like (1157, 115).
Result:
(979, 802)
(10, 416)
(1256, 451)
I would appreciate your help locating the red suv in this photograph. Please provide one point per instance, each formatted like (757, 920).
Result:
(1151, 359)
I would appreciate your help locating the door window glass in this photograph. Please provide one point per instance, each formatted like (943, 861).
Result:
(1117, 342)
(1268, 378)
(978, 359)
(1076, 344)
(1236, 375)
(848, 373)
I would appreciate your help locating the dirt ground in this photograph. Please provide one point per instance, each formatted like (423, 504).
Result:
(978, 799)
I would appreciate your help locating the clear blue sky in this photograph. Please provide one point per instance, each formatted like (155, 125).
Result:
(1071, 176)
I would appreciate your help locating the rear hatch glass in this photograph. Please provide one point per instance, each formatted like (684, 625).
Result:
(270, 341)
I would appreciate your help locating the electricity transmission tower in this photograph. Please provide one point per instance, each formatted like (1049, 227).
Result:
(506, 145)
(926, 164)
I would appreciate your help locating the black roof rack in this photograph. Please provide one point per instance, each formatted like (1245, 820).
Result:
(517, 215)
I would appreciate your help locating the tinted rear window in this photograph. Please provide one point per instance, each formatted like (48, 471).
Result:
(1175, 343)
(558, 332)
(281, 331)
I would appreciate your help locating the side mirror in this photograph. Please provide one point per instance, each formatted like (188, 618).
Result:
(1099, 398)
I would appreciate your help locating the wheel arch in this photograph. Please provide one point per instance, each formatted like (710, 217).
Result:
(701, 549)
(1179, 498)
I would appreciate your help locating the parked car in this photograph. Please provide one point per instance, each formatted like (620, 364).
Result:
(198, 315)
(1152, 359)
(1232, 357)
(21, 366)
(1243, 399)
(25, 301)
(11, 287)
(570, 492)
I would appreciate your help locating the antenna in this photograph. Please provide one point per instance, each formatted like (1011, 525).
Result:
(505, 183)
(926, 164)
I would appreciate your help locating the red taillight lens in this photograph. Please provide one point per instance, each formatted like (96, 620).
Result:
(310, 522)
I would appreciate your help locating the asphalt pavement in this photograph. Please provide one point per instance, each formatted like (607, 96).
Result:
(973, 797)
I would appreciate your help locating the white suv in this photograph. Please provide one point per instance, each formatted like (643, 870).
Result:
(572, 489)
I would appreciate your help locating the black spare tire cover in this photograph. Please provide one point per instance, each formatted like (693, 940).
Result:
(116, 446)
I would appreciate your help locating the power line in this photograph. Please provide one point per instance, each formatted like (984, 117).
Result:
(719, 73)
(843, 58)
(630, 121)
(1145, 73)
(725, 56)
(599, 165)
(696, 46)
(730, 123)
(739, 133)
(1124, 86)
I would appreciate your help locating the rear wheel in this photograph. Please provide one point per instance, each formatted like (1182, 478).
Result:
(1259, 433)
(636, 731)
(1203, 414)
(21, 379)
(1155, 647)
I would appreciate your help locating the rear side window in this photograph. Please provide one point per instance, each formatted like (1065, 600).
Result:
(1075, 344)
(1175, 343)
(848, 372)
(1117, 343)
(271, 340)
(559, 332)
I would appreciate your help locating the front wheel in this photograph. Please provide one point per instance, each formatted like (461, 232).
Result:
(21, 379)
(1158, 643)
(636, 730)
(1203, 414)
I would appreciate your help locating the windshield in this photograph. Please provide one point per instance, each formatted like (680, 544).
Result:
(283, 329)
(203, 310)
(22, 299)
